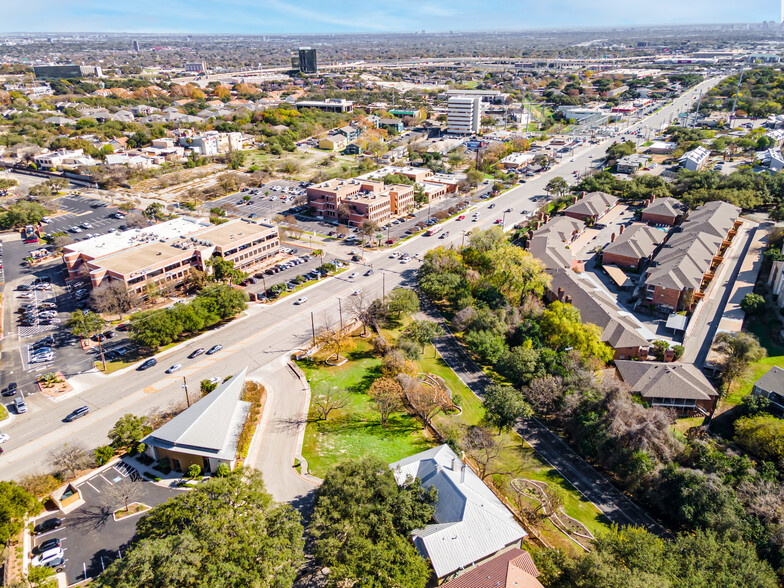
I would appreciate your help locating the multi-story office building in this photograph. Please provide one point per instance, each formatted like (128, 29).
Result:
(307, 60)
(463, 115)
(196, 67)
(66, 71)
(358, 201)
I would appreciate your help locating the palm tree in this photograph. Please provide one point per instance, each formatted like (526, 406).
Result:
(320, 254)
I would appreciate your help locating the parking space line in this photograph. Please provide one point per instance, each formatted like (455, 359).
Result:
(91, 486)
(105, 480)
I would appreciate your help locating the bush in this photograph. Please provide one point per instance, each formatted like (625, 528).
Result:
(761, 435)
(223, 471)
(163, 466)
(194, 471)
(103, 454)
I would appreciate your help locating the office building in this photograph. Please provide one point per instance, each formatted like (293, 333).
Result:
(307, 60)
(196, 67)
(463, 115)
(66, 71)
(136, 46)
(328, 105)
(356, 201)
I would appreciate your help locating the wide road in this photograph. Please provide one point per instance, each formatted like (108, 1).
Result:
(263, 335)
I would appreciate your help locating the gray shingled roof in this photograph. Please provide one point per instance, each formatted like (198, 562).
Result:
(471, 523)
(665, 207)
(593, 204)
(652, 379)
(638, 241)
(210, 427)
(772, 381)
(563, 227)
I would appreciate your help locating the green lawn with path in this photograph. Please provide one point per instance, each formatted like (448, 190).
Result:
(761, 328)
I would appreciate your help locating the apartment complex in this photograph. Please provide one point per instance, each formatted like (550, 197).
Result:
(687, 262)
(357, 201)
(591, 207)
(463, 114)
(663, 211)
(633, 246)
(163, 255)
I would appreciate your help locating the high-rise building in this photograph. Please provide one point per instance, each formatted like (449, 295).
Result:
(307, 60)
(136, 46)
(463, 114)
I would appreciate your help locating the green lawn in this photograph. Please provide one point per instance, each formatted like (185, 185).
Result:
(761, 328)
(355, 431)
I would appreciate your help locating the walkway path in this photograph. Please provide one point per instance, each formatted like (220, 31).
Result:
(615, 505)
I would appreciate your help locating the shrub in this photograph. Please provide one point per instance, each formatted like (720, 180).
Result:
(194, 471)
(103, 454)
(163, 465)
(223, 471)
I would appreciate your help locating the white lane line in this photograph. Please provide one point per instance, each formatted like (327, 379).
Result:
(107, 481)
(91, 486)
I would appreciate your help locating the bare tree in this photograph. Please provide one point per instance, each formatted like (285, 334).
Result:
(111, 297)
(387, 398)
(329, 399)
(483, 447)
(423, 399)
(359, 309)
(70, 458)
(123, 492)
(136, 221)
(334, 339)
(543, 393)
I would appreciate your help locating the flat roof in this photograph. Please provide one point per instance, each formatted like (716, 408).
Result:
(233, 231)
(138, 258)
(116, 242)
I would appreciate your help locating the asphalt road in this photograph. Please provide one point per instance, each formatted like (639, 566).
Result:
(263, 335)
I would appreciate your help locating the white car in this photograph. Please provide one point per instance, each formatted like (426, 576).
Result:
(214, 380)
(301, 300)
(47, 556)
(356, 292)
(4, 437)
(174, 368)
(87, 226)
(353, 275)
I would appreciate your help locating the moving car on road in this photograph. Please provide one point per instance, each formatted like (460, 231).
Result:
(148, 364)
(174, 368)
(20, 405)
(302, 299)
(214, 349)
(196, 353)
(77, 414)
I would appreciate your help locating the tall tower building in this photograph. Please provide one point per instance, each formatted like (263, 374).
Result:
(136, 45)
(307, 60)
(463, 115)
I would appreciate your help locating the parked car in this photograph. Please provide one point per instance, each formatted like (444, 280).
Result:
(77, 414)
(42, 559)
(214, 349)
(148, 364)
(47, 545)
(47, 525)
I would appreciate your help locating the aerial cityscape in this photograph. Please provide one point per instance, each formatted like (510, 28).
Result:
(463, 295)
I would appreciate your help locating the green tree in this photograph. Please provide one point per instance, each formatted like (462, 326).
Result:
(226, 531)
(15, 505)
(504, 406)
(128, 431)
(489, 346)
(557, 185)
(619, 150)
(562, 328)
(103, 454)
(752, 303)
(361, 525)
(236, 159)
(740, 350)
(402, 302)
(85, 325)
(154, 328)
(155, 211)
(223, 270)
(206, 387)
(762, 435)
(473, 177)
(520, 365)
(423, 332)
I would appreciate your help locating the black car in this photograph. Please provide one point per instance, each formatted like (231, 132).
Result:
(370, 272)
(10, 390)
(48, 525)
(52, 543)
(77, 414)
(196, 353)
(214, 349)
(148, 364)
(23, 288)
(356, 258)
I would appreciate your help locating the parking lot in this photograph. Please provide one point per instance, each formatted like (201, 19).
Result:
(271, 199)
(90, 537)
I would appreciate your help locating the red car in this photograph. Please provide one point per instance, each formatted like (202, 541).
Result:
(499, 221)
(461, 217)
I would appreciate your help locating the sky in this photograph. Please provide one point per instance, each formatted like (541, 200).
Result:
(346, 16)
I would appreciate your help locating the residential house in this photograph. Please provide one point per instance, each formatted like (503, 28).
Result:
(663, 211)
(391, 124)
(777, 138)
(352, 149)
(681, 387)
(591, 207)
(470, 524)
(771, 386)
(205, 434)
(512, 569)
(333, 142)
(689, 258)
(771, 159)
(694, 160)
(633, 247)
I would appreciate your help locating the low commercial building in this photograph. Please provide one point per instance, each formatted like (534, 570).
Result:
(328, 105)
(471, 524)
(418, 114)
(205, 434)
(631, 164)
(680, 387)
(63, 157)
(662, 147)
(517, 159)
(696, 159)
(591, 207)
(196, 67)
(663, 211)
(633, 247)
(771, 386)
(333, 142)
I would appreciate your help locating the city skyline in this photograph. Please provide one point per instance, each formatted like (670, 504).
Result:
(333, 16)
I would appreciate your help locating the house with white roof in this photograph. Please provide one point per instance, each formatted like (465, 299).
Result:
(470, 524)
(205, 434)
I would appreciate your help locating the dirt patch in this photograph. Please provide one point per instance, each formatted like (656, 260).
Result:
(54, 384)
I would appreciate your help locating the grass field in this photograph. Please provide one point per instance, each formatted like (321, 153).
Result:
(762, 329)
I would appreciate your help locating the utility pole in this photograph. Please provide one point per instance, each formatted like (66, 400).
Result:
(313, 328)
(737, 93)
(185, 387)
(383, 285)
(340, 310)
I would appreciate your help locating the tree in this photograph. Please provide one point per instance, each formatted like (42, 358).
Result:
(103, 454)
(557, 185)
(386, 396)
(111, 297)
(223, 270)
(15, 505)
(488, 345)
(359, 310)
(659, 349)
(69, 459)
(334, 339)
(504, 406)
(762, 435)
(225, 527)
(618, 150)
(402, 302)
(136, 221)
(128, 431)
(85, 325)
(483, 447)
(206, 387)
(740, 350)
(562, 327)
(361, 526)
(320, 254)
(123, 492)
(424, 332)
(520, 365)
(155, 211)
(474, 177)
(752, 303)
(328, 399)
(516, 273)
(423, 399)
